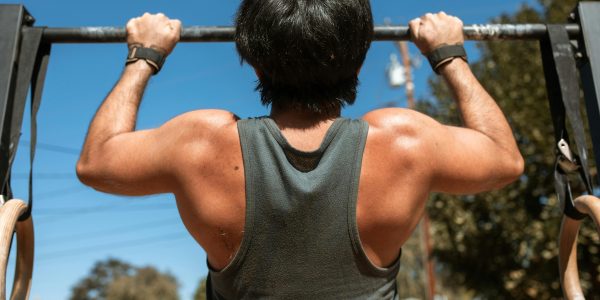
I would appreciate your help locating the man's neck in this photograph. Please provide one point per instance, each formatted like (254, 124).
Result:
(301, 119)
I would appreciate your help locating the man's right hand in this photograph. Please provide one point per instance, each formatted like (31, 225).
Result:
(431, 31)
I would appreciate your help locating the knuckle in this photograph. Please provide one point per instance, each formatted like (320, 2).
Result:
(131, 24)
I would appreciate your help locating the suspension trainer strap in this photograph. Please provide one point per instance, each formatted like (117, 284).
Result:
(26, 63)
(37, 87)
(33, 59)
(563, 95)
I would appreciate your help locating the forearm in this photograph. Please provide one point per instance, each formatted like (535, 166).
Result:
(118, 112)
(479, 110)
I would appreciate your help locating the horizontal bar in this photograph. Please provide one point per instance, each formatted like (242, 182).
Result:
(225, 34)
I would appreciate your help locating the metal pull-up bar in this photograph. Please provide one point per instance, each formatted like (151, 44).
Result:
(226, 34)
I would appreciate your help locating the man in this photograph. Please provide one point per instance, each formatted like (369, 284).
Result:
(301, 203)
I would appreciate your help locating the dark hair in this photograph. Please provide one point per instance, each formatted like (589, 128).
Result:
(308, 52)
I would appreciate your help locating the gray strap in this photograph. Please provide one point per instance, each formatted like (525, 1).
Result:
(37, 86)
(563, 95)
(445, 54)
(33, 61)
(153, 57)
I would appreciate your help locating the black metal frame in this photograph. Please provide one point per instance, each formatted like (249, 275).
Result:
(23, 61)
(12, 19)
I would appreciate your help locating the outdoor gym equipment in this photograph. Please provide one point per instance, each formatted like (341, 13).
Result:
(569, 51)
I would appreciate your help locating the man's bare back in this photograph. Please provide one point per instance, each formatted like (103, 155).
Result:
(197, 156)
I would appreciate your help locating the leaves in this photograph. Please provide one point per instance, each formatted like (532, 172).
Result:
(116, 280)
(146, 284)
(200, 293)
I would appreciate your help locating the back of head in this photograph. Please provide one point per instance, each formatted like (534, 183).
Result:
(307, 52)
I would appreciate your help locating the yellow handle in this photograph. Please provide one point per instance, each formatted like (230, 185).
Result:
(567, 257)
(9, 215)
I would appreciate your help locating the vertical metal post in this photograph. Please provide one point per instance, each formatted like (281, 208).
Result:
(589, 68)
(12, 18)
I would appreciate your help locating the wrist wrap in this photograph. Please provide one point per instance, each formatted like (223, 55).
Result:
(445, 54)
(154, 58)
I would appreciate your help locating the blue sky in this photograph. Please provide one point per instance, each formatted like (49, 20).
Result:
(77, 226)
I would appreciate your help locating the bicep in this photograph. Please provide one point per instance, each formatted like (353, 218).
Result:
(138, 163)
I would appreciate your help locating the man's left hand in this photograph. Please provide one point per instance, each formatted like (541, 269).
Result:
(154, 31)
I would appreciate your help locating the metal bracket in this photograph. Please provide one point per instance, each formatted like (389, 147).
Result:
(566, 160)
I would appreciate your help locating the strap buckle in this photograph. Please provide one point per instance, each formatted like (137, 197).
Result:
(566, 160)
(152, 56)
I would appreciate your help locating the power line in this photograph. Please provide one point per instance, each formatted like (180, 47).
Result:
(44, 176)
(52, 148)
(110, 197)
(112, 246)
(112, 231)
(62, 211)
(116, 205)
(43, 196)
(93, 210)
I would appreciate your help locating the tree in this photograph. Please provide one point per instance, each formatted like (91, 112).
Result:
(146, 284)
(116, 280)
(95, 285)
(200, 293)
(503, 244)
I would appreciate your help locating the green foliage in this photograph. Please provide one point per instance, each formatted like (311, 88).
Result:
(94, 286)
(411, 279)
(200, 293)
(146, 284)
(116, 280)
(503, 244)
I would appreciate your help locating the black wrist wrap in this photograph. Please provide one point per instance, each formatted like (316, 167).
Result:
(154, 58)
(445, 54)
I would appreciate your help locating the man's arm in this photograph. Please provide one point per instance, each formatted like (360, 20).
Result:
(482, 156)
(115, 158)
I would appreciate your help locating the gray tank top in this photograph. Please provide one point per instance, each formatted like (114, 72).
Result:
(301, 238)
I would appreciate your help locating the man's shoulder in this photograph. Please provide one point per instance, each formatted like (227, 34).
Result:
(202, 129)
(403, 135)
(207, 119)
(399, 121)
